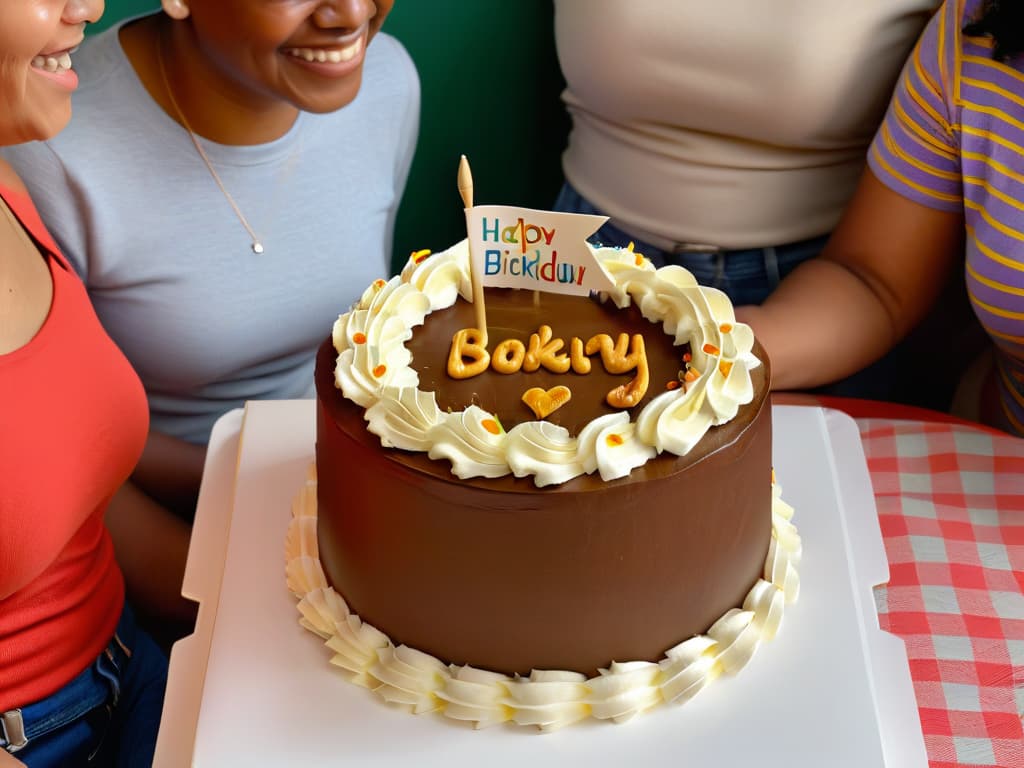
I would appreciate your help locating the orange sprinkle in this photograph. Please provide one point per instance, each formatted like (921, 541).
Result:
(359, 338)
(687, 357)
(639, 259)
(724, 367)
(691, 375)
(379, 283)
(711, 349)
(674, 384)
(725, 327)
(773, 475)
(491, 426)
(379, 370)
(420, 255)
(614, 440)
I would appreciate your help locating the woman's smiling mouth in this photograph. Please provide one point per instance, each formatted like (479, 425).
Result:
(328, 55)
(53, 62)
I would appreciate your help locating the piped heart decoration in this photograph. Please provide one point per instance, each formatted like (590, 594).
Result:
(545, 402)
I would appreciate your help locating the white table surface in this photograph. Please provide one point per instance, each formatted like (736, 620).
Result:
(252, 688)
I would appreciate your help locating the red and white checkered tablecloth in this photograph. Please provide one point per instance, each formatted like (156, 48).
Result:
(950, 501)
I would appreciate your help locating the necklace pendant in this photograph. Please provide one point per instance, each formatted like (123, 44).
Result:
(257, 246)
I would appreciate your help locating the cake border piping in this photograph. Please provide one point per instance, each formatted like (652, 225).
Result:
(546, 699)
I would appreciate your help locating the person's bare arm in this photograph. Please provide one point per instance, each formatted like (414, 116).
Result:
(151, 545)
(881, 271)
(7, 760)
(169, 471)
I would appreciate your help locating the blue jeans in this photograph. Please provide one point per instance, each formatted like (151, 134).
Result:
(106, 716)
(746, 276)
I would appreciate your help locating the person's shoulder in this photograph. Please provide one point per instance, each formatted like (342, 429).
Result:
(387, 57)
(954, 15)
(388, 47)
(99, 58)
(10, 181)
(963, 11)
(942, 37)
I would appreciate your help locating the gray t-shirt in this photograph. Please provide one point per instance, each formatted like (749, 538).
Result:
(207, 323)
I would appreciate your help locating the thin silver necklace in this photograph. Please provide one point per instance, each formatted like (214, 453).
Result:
(257, 244)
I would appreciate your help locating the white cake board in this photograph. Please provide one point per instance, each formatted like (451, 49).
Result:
(256, 689)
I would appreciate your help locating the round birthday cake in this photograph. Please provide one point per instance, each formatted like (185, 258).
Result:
(571, 514)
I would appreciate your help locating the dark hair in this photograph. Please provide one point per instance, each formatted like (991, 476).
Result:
(1003, 21)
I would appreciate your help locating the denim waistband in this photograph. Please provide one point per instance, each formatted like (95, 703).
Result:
(97, 685)
(746, 275)
(655, 246)
(661, 252)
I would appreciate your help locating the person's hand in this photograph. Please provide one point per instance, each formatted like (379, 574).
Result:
(7, 760)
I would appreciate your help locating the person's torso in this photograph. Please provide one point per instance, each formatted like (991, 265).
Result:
(740, 123)
(73, 421)
(988, 109)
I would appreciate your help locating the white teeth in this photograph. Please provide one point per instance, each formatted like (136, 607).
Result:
(59, 63)
(323, 55)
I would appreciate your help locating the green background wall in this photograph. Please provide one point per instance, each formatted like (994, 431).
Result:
(491, 86)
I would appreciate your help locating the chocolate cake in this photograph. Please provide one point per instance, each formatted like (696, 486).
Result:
(473, 544)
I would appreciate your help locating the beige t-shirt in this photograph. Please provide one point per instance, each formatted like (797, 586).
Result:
(736, 123)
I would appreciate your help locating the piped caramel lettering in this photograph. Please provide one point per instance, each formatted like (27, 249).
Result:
(624, 355)
(543, 351)
(508, 356)
(469, 357)
(577, 357)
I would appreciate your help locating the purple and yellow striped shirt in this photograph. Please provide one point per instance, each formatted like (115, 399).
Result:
(953, 139)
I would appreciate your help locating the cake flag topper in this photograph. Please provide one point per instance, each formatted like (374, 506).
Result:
(512, 247)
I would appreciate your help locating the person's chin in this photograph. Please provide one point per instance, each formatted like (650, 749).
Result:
(43, 127)
(330, 99)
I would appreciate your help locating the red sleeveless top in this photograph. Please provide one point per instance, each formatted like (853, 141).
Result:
(73, 422)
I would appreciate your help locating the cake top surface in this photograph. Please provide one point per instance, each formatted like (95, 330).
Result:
(605, 402)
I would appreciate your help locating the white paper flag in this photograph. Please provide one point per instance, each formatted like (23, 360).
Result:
(515, 247)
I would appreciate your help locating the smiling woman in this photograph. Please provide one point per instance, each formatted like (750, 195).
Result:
(230, 181)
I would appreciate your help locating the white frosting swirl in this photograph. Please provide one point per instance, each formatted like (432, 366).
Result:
(373, 370)
(546, 699)
(472, 440)
(609, 445)
(544, 450)
(404, 418)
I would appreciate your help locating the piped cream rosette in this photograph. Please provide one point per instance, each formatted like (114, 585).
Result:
(373, 370)
(546, 699)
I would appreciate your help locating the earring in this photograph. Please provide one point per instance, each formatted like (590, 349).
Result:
(176, 9)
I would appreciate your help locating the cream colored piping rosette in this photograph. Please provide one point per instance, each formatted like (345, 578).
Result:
(548, 699)
(373, 370)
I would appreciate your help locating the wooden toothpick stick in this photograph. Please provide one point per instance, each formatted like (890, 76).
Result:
(466, 191)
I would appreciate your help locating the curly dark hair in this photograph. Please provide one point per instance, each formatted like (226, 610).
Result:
(1003, 21)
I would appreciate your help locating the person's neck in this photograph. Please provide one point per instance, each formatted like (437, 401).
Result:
(214, 107)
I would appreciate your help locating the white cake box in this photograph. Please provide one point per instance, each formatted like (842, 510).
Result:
(253, 688)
